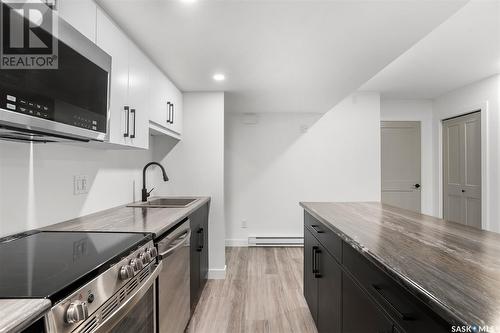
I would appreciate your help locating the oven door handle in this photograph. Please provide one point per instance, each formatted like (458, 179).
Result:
(125, 307)
(185, 235)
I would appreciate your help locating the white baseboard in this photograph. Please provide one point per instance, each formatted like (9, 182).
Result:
(237, 242)
(276, 241)
(217, 273)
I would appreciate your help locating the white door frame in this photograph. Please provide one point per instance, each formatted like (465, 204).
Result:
(485, 198)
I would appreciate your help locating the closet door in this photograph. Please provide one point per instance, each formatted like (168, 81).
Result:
(462, 169)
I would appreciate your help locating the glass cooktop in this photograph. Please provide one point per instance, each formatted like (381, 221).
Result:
(52, 264)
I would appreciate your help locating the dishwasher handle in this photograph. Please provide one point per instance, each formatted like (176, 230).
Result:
(180, 240)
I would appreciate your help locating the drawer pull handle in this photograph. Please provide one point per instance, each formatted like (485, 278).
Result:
(314, 248)
(317, 273)
(317, 229)
(380, 291)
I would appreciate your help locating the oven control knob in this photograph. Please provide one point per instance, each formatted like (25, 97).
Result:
(77, 311)
(145, 257)
(126, 272)
(153, 252)
(136, 264)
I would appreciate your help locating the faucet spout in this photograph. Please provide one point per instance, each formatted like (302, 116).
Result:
(145, 193)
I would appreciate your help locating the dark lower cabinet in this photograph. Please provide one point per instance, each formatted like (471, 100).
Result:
(310, 280)
(359, 312)
(329, 292)
(348, 293)
(322, 284)
(199, 252)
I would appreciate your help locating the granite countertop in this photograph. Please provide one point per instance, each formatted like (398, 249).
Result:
(131, 219)
(18, 314)
(455, 268)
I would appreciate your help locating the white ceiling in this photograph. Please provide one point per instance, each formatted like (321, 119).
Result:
(464, 49)
(280, 55)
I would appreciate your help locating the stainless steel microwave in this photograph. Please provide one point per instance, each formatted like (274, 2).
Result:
(67, 103)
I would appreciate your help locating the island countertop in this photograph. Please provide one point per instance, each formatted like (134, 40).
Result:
(455, 268)
(131, 219)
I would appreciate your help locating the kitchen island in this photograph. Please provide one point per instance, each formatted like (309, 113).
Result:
(377, 267)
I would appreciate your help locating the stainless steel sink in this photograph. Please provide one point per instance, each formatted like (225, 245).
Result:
(165, 203)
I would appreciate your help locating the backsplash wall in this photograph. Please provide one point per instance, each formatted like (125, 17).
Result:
(36, 182)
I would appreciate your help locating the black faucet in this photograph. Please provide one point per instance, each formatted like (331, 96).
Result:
(145, 193)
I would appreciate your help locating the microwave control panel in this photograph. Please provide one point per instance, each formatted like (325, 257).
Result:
(48, 109)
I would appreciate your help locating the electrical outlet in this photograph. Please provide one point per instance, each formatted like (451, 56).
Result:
(81, 184)
(244, 224)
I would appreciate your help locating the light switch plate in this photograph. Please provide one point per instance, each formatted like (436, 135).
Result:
(81, 184)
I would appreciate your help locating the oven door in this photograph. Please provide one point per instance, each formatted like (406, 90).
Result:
(138, 313)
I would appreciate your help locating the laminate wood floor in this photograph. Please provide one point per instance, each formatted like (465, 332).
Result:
(262, 292)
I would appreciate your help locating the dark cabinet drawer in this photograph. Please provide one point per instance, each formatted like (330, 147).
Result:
(359, 312)
(407, 311)
(327, 237)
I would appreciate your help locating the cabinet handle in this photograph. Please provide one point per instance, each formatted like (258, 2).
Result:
(380, 291)
(201, 239)
(173, 111)
(132, 111)
(168, 112)
(317, 229)
(127, 116)
(317, 274)
(314, 248)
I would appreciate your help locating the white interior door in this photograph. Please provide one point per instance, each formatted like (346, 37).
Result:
(462, 169)
(400, 157)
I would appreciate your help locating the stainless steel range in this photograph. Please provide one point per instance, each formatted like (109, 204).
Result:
(97, 282)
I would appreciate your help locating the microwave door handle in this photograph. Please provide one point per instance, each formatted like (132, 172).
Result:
(132, 111)
(132, 301)
(127, 121)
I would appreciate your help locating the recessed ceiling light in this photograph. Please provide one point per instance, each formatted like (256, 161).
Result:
(219, 77)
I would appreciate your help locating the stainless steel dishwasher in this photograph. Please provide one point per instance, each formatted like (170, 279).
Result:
(173, 281)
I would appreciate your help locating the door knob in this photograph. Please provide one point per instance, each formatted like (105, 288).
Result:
(417, 185)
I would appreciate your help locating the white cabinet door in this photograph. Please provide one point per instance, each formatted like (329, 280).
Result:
(158, 110)
(138, 97)
(174, 98)
(113, 41)
(177, 110)
(81, 14)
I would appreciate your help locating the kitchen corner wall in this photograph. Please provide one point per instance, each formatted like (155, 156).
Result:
(275, 160)
(36, 182)
(195, 165)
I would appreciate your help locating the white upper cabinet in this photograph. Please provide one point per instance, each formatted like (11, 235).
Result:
(166, 104)
(141, 97)
(177, 110)
(138, 97)
(114, 42)
(81, 14)
(158, 108)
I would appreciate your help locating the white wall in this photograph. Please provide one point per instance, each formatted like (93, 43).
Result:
(271, 166)
(195, 165)
(36, 182)
(416, 110)
(484, 95)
